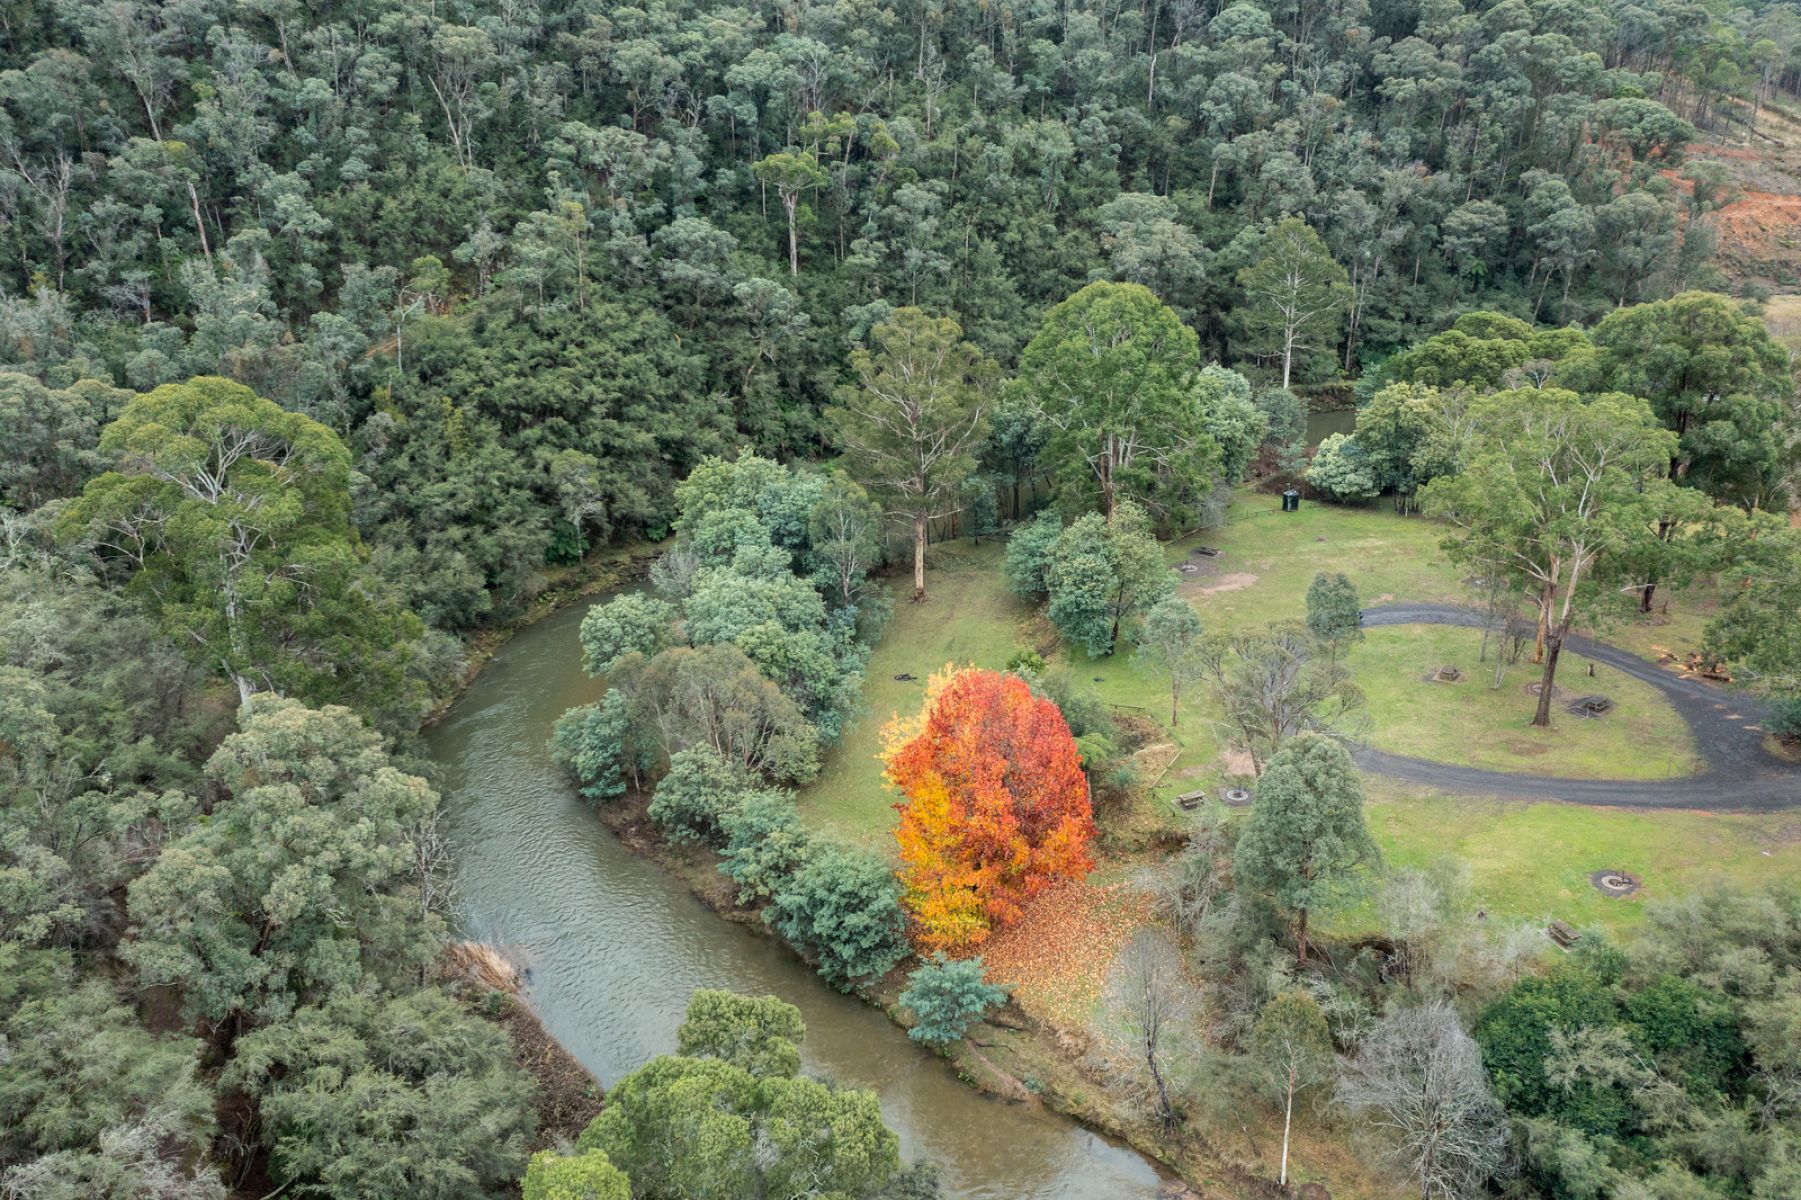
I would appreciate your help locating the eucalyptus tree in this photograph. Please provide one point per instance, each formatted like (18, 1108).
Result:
(1113, 372)
(1298, 293)
(913, 421)
(1568, 493)
(230, 518)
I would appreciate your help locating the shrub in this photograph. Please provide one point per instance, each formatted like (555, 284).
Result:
(586, 1176)
(843, 908)
(1340, 470)
(765, 844)
(626, 624)
(1104, 573)
(758, 1033)
(594, 743)
(946, 997)
(692, 800)
(1029, 556)
(1785, 717)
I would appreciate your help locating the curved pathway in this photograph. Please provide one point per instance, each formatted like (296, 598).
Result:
(1739, 774)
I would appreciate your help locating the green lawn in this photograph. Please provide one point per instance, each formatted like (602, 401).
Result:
(1473, 722)
(968, 617)
(1530, 859)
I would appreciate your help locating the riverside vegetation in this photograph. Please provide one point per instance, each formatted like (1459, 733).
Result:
(331, 332)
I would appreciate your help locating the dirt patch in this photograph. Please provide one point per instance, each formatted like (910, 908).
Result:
(1237, 762)
(1559, 695)
(1151, 762)
(567, 1097)
(1233, 582)
(1760, 235)
(1614, 882)
(1526, 749)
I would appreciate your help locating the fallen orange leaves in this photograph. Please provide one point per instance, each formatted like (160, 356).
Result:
(1057, 956)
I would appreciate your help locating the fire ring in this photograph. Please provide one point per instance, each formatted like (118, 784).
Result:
(1615, 883)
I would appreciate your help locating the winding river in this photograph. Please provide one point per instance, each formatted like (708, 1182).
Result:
(614, 945)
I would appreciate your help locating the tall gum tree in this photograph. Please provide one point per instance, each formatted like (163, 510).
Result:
(232, 517)
(1298, 292)
(1566, 495)
(914, 420)
(1715, 378)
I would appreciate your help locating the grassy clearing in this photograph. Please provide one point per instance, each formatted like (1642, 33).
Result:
(1529, 859)
(1532, 860)
(968, 617)
(1472, 722)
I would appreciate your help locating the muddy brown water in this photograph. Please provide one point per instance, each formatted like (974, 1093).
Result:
(1321, 425)
(613, 945)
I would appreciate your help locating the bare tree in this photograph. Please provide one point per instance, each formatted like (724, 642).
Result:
(1418, 1078)
(672, 575)
(1497, 598)
(1150, 1003)
(1189, 889)
(1274, 683)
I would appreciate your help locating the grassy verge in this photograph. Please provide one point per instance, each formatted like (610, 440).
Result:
(968, 617)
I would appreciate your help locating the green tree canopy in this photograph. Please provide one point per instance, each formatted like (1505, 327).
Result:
(842, 907)
(1102, 574)
(1171, 642)
(362, 1098)
(1716, 379)
(1567, 496)
(1305, 845)
(758, 1033)
(946, 997)
(1298, 293)
(1334, 614)
(736, 1121)
(913, 421)
(1113, 371)
(589, 1175)
(308, 880)
(232, 518)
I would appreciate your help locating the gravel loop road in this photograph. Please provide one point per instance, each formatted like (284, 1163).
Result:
(1740, 774)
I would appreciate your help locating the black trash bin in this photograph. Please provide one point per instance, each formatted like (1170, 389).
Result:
(1291, 501)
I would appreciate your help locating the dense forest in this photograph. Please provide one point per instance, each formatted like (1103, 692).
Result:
(532, 261)
(330, 332)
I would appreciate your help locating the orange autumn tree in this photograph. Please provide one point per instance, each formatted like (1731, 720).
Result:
(996, 804)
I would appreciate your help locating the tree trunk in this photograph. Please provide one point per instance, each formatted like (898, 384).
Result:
(919, 558)
(790, 203)
(1300, 938)
(1166, 1112)
(1107, 486)
(1553, 647)
(1287, 1120)
(245, 691)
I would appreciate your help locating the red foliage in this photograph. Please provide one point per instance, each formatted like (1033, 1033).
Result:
(997, 806)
